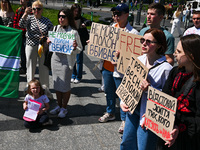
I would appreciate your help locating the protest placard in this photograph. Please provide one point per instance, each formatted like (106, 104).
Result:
(103, 41)
(128, 44)
(129, 90)
(32, 111)
(61, 42)
(160, 113)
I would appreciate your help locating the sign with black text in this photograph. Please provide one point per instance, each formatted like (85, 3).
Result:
(129, 90)
(128, 44)
(160, 113)
(103, 41)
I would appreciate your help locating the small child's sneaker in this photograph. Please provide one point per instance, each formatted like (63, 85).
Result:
(63, 112)
(55, 110)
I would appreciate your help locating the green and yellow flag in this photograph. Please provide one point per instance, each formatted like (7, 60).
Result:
(10, 47)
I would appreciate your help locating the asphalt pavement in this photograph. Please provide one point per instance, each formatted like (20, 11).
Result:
(80, 129)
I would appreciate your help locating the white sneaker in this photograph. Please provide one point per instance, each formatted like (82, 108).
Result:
(62, 113)
(77, 81)
(55, 110)
(72, 80)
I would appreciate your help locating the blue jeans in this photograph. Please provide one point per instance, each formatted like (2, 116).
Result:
(77, 73)
(110, 85)
(136, 138)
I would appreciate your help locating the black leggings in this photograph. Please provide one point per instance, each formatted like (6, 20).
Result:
(38, 122)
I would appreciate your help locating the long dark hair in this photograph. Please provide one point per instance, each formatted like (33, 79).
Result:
(191, 45)
(8, 6)
(70, 17)
(75, 6)
(160, 38)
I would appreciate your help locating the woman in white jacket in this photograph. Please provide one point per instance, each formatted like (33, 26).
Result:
(177, 19)
(62, 64)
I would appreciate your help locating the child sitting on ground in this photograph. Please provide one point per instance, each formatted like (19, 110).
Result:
(36, 93)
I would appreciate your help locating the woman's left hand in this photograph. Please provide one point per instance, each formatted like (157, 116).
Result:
(75, 44)
(144, 85)
(174, 135)
(143, 123)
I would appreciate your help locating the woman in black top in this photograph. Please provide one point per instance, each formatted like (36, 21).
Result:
(183, 83)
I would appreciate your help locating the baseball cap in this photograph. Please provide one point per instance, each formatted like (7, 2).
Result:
(121, 7)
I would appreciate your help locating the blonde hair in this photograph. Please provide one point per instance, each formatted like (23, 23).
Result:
(37, 3)
(178, 11)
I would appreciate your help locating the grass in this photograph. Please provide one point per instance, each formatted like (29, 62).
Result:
(52, 14)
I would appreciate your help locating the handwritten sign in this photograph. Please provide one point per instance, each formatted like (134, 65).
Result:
(160, 113)
(129, 90)
(103, 41)
(61, 42)
(128, 44)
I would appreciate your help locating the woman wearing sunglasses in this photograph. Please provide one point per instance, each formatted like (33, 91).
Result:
(154, 45)
(37, 26)
(62, 64)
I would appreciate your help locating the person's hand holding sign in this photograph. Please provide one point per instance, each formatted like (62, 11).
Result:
(174, 135)
(74, 44)
(144, 85)
(117, 55)
(124, 107)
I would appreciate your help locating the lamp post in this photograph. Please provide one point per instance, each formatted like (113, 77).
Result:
(139, 13)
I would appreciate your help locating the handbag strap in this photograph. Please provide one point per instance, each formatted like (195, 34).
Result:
(187, 86)
(38, 25)
(157, 65)
(55, 28)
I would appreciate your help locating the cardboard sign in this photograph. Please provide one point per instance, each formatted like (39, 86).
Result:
(129, 90)
(160, 113)
(61, 42)
(128, 44)
(103, 41)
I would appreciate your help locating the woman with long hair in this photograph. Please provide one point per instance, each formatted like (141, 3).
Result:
(154, 46)
(177, 20)
(6, 13)
(62, 64)
(183, 83)
(84, 36)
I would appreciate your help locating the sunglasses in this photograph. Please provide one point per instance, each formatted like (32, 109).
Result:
(196, 19)
(148, 42)
(62, 16)
(118, 13)
(38, 9)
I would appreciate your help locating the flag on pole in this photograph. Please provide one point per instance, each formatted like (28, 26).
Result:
(10, 47)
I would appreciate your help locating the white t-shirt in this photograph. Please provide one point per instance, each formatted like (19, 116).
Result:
(42, 99)
(192, 30)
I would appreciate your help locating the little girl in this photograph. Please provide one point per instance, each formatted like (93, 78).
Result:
(183, 83)
(36, 92)
(154, 45)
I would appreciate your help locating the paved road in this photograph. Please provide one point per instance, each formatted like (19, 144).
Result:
(79, 130)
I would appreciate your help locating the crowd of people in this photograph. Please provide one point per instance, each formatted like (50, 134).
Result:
(181, 82)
